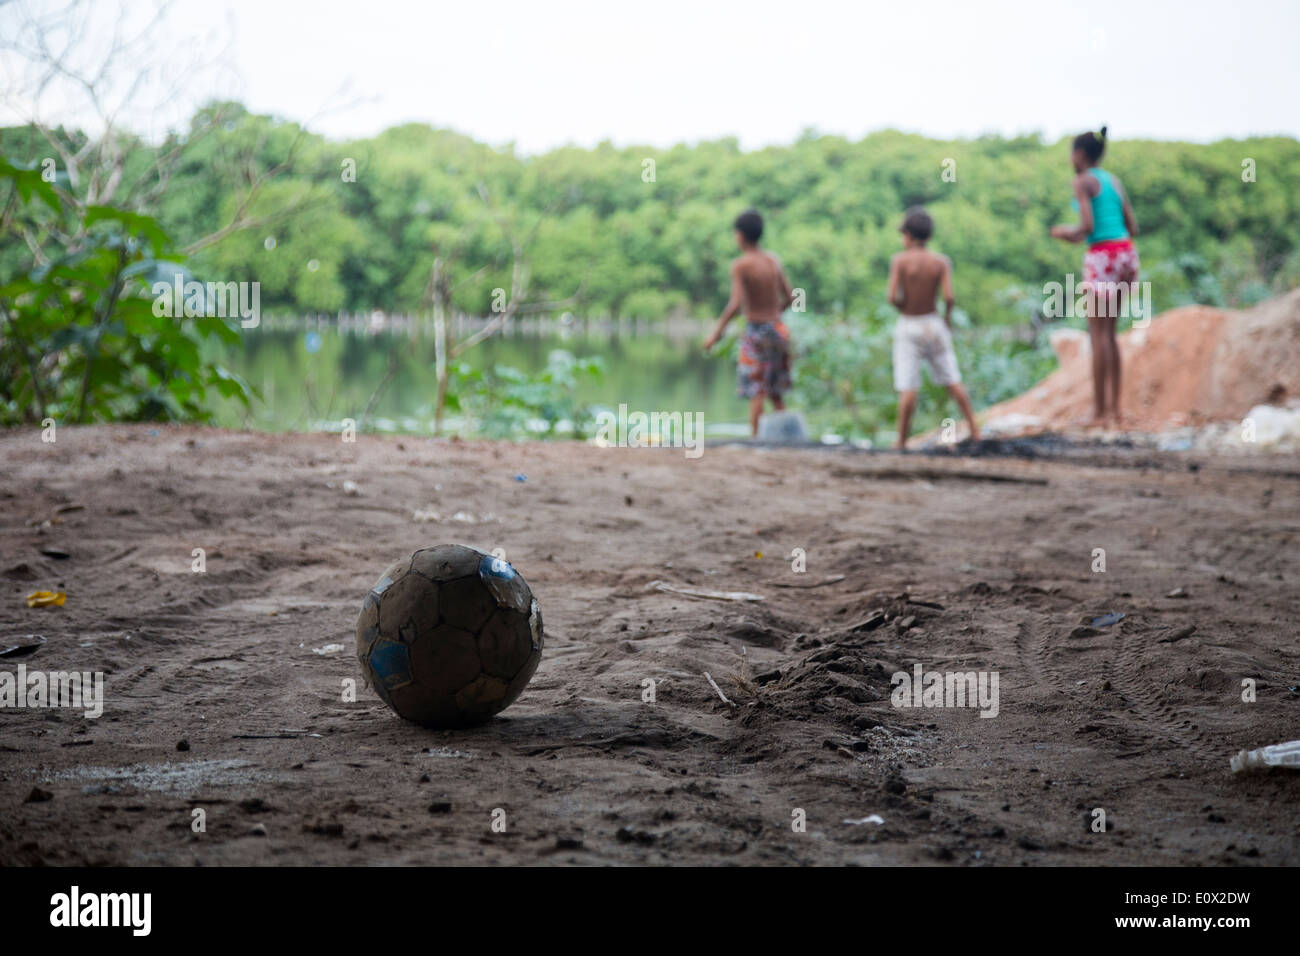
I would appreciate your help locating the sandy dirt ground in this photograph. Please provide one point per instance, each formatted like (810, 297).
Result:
(954, 563)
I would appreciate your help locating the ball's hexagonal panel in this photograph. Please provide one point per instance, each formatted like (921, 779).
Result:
(390, 663)
(466, 603)
(506, 585)
(410, 599)
(482, 697)
(504, 643)
(445, 659)
(380, 689)
(446, 562)
(393, 572)
(415, 703)
(367, 627)
(521, 679)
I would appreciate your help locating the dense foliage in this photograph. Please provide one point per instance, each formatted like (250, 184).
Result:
(79, 337)
(633, 247)
(356, 226)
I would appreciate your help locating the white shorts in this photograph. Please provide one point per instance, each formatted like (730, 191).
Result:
(923, 337)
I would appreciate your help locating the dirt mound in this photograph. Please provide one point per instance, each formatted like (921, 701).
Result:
(1192, 366)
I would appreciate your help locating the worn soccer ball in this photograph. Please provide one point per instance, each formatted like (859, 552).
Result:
(449, 636)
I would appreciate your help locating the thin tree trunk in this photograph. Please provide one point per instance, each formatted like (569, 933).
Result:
(439, 346)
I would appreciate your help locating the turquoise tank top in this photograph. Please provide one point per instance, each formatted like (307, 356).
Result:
(1107, 210)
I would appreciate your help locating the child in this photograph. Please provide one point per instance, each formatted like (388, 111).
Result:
(915, 277)
(1107, 224)
(760, 289)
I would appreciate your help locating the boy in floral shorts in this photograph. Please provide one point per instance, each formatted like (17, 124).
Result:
(760, 289)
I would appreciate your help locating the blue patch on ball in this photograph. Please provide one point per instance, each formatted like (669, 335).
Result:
(391, 664)
(496, 568)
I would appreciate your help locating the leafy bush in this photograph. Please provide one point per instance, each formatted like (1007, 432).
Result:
(79, 340)
(503, 402)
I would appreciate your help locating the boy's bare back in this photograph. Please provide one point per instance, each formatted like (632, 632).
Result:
(759, 284)
(918, 275)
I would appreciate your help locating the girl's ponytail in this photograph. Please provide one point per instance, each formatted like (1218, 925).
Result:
(1092, 144)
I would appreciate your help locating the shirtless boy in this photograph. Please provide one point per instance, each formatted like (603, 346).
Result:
(760, 289)
(915, 277)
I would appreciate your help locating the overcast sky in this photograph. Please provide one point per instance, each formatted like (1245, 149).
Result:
(547, 72)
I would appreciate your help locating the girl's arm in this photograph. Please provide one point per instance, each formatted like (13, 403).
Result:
(1084, 228)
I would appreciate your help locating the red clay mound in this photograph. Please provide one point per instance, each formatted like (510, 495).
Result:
(1191, 366)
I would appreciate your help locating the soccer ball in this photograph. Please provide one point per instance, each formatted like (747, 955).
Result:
(449, 636)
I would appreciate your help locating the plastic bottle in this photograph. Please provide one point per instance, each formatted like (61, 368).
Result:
(1278, 755)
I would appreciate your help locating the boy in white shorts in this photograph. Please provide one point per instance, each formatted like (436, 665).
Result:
(915, 276)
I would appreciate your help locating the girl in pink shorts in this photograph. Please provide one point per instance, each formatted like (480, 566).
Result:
(1110, 266)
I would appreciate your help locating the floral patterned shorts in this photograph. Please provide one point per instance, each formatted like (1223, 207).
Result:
(763, 367)
(1115, 260)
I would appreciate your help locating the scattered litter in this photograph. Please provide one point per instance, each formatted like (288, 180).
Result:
(188, 777)
(703, 593)
(521, 477)
(1011, 425)
(875, 818)
(871, 622)
(1274, 427)
(58, 554)
(1177, 593)
(933, 605)
(1177, 635)
(758, 554)
(1278, 755)
(833, 579)
(461, 517)
(64, 509)
(351, 488)
(46, 599)
(783, 427)
(447, 752)
(327, 649)
(714, 685)
(28, 644)
(1106, 620)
